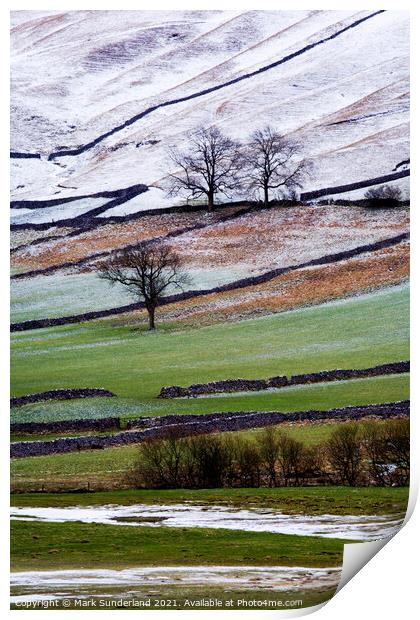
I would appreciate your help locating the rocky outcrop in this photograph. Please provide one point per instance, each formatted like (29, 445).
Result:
(63, 394)
(247, 385)
(154, 428)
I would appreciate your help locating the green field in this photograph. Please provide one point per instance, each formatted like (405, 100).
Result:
(49, 546)
(307, 500)
(63, 294)
(383, 389)
(353, 333)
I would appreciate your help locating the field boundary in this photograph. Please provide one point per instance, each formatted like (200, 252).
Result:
(60, 394)
(237, 284)
(185, 425)
(349, 187)
(254, 385)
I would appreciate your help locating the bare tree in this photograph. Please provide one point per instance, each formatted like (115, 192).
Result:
(269, 446)
(211, 164)
(271, 162)
(344, 453)
(291, 459)
(146, 272)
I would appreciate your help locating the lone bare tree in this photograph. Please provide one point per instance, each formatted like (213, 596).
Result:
(210, 164)
(271, 162)
(146, 272)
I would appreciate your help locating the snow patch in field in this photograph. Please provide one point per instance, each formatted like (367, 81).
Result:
(86, 583)
(363, 528)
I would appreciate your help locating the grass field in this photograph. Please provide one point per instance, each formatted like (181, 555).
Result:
(356, 332)
(61, 294)
(307, 500)
(297, 398)
(50, 546)
(64, 294)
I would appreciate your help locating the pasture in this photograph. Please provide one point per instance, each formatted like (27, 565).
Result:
(357, 332)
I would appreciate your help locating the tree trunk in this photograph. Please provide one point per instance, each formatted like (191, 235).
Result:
(210, 203)
(151, 313)
(265, 195)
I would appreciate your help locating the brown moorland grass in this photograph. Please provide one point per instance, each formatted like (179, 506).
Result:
(282, 236)
(263, 239)
(108, 237)
(299, 288)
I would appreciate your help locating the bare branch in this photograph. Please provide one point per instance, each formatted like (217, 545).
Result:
(210, 164)
(272, 161)
(147, 273)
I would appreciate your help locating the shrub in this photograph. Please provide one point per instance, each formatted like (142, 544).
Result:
(387, 449)
(356, 453)
(374, 443)
(314, 465)
(247, 462)
(397, 435)
(162, 463)
(210, 458)
(291, 460)
(383, 196)
(269, 446)
(344, 453)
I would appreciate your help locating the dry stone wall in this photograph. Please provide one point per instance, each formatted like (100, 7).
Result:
(153, 428)
(245, 385)
(61, 394)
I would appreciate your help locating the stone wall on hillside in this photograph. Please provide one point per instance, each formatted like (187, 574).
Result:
(64, 426)
(62, 394)
(205, 423)
(245, 385)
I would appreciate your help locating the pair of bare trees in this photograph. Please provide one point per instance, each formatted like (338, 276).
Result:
(213, 163)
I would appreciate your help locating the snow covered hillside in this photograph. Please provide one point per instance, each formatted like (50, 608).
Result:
(98, 96)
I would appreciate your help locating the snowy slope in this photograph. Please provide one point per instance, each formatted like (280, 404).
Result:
(78, 75)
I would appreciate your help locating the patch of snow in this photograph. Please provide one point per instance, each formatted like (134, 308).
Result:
(350, 527)
(42, 585)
